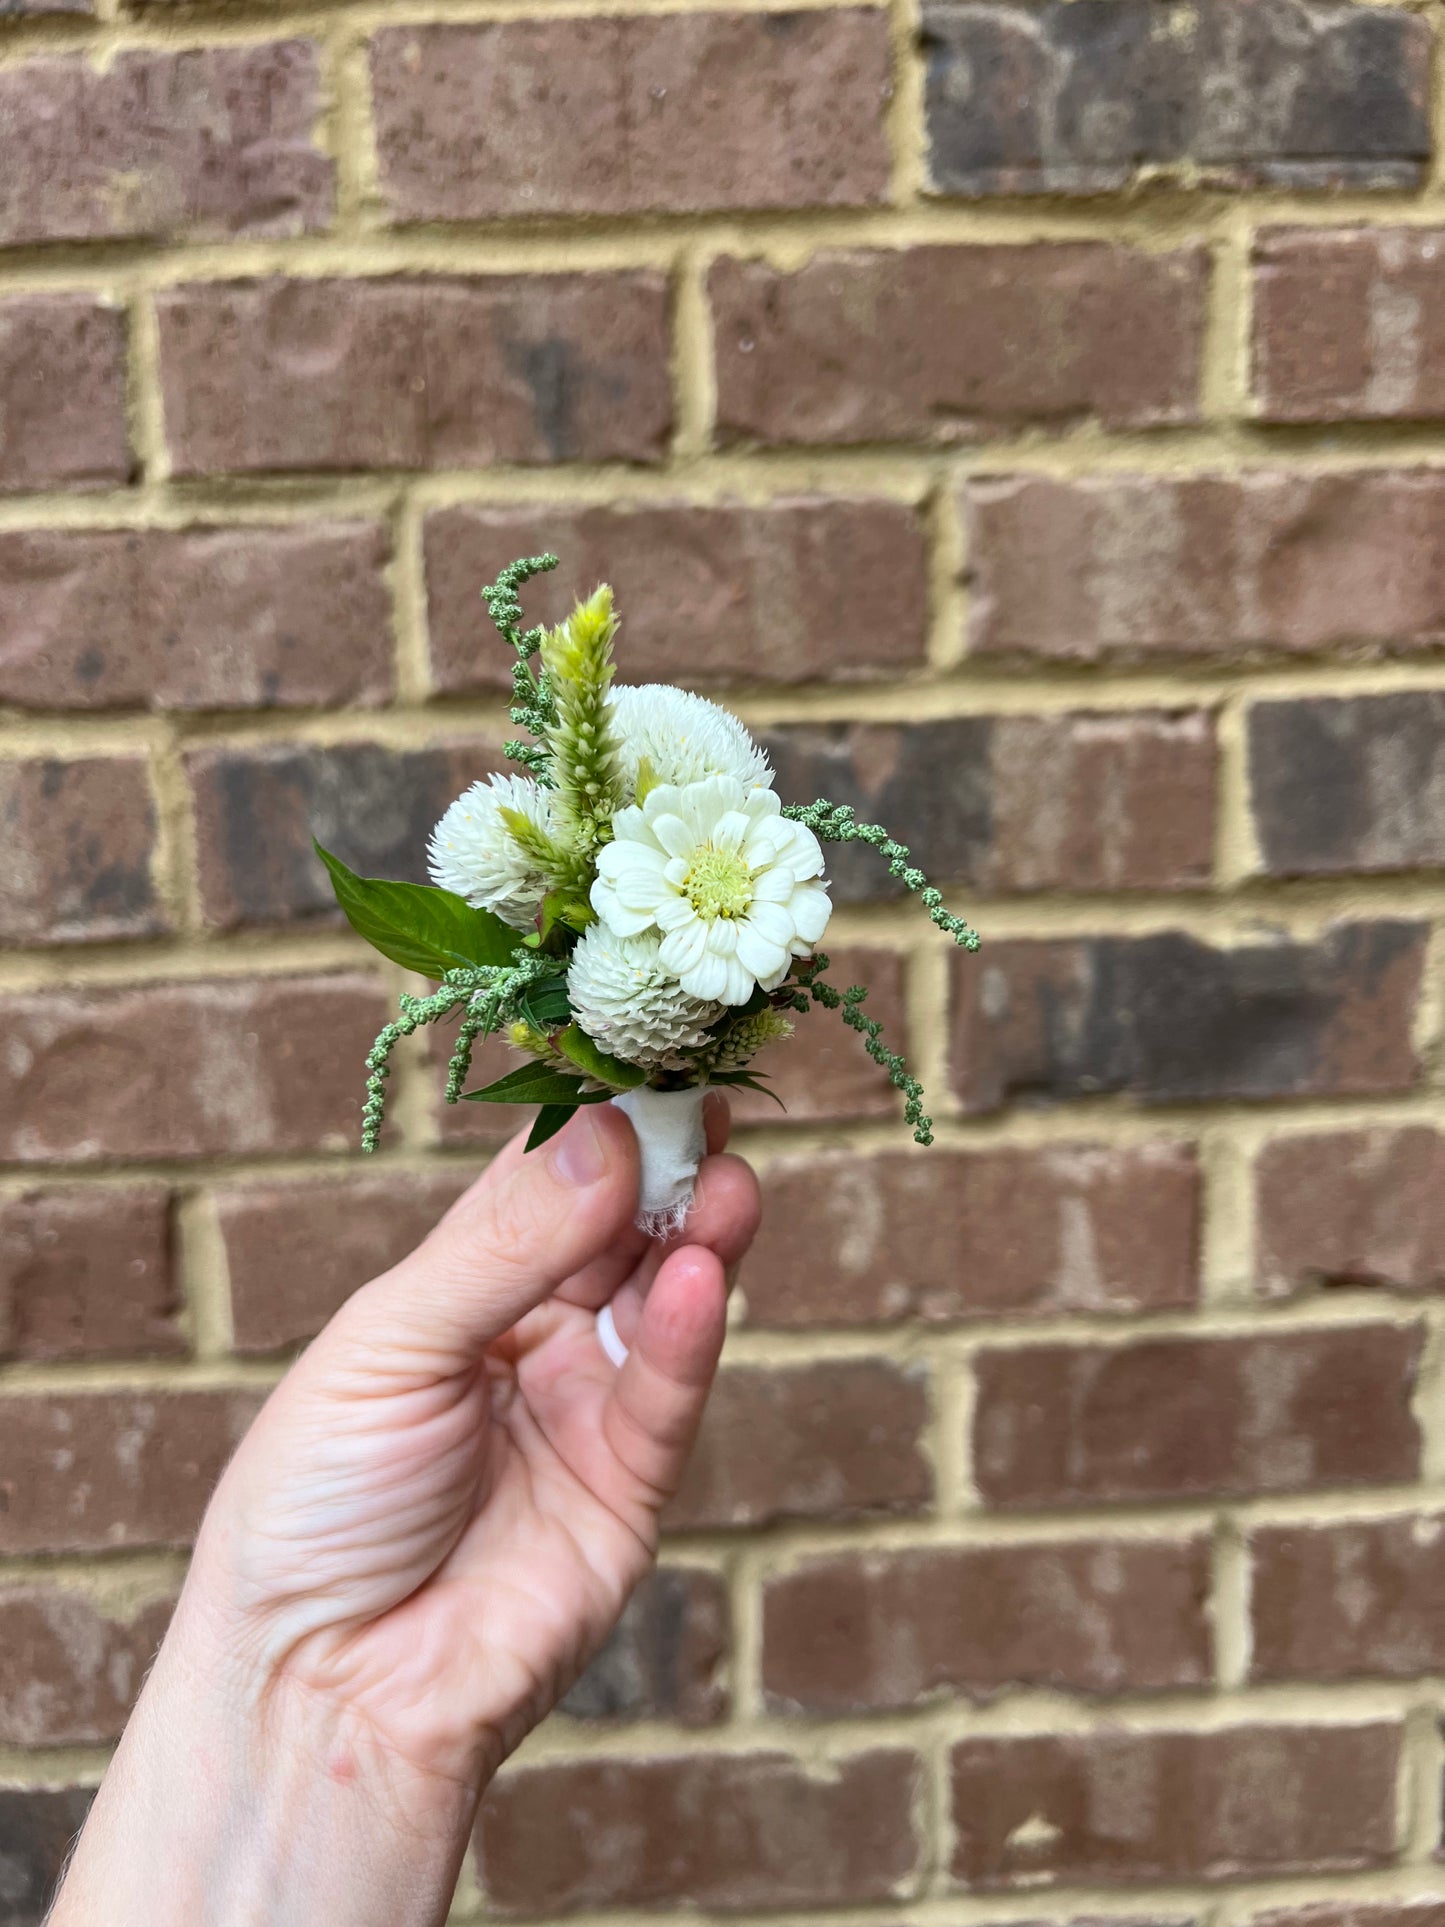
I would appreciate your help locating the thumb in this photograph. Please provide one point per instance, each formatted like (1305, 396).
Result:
(522, 1229)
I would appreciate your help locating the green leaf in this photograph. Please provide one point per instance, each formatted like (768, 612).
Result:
(548, 1123)
(545, 1003)
(423, 929)
(746, 1081)
(535, 1083)
(596, 1063)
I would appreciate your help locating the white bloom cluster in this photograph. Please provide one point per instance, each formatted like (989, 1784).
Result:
(473, 853)
(704, 893)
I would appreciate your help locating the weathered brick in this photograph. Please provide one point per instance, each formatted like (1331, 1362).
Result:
(333, 1237)
(80, 837)
(1173, 1418)
(1066, 99)
(805, 589)
(432, 373)
(89, 1471)
(211, 1068)
(644, 115)
(728, 1831)
(1338, 1601)
(881, 1630)
(1171, 1019)
(26, 9)
(664, 1660)
(258, 807)
(1351, 1208)
(1349, 324)
(1350, 783)
(947, 344)
(37, 1826)
(197, 144)
(88, 1274)
(1115, 1807)
(1210, 566)
(62, 390)
(824, 1441)
(69, 1669)
(199, 618)
(854, 1240)
(1080, 801)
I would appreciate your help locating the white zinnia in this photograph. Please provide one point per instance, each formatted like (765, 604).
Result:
(626, 1002)
(473, 853)
(684, 737)
(734, 888)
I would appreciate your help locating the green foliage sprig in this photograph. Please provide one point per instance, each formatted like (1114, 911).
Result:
(837, 823)
(850, 1001)
(531, 697)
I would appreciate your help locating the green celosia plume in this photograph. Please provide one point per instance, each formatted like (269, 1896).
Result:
(577, 665)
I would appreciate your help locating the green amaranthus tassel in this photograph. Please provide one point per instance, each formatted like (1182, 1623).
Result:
(836, 823)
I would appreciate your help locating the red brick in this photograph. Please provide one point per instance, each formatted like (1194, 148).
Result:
(415, 373)
(69, 1669)
(669, 114)
(948, 344)
(1025, 99)
(1349, 784)
(947, 1235)
(1351, 1208)
(198, 618)
(80, 837)
(1170, 1019)
(1209, 566)
(92, 1471)
(88, 1274)
(823, 1441)
(1341, 1601)
(882, 1630)
(37, 1827)
(1116, 1807)
(665, 1659)
(1177, 1418)
(1079, 801)
(209, 1068)
(200, 143)
(62, 389)
(258, 806)
(334, 1237)
(727, 1831)
(808, 588)
(1349, 324)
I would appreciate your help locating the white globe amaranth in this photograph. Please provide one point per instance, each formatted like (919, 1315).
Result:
(683, 737)
(733, 888)
(473, 853)
(626, 1002)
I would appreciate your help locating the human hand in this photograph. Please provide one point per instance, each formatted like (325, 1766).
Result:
(430, 1529)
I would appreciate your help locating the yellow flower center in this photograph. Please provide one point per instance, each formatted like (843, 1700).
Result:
(719, 884)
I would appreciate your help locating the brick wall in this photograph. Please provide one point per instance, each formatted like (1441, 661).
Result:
(1032, 416)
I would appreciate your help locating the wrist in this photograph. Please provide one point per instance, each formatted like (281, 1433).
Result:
(248, 1800)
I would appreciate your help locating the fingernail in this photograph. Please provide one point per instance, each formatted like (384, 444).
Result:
(580, 1156)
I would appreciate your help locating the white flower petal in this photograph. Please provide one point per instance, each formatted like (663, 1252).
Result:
(722, 937)
(760, 956)
(673, 834)
(683, 737)
(684, 947)
(811, 909)
(773, 923)
(708, 979)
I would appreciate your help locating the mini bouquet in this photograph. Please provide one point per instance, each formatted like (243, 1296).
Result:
(637, 912)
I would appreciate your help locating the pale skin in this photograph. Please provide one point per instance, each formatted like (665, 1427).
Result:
(429, 1530)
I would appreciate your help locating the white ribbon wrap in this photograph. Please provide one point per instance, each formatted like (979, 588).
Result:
(672, 1141)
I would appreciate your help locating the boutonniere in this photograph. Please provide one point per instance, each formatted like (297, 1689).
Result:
(637, 911)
